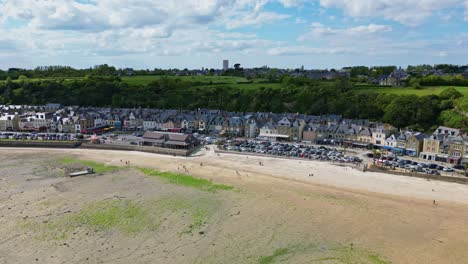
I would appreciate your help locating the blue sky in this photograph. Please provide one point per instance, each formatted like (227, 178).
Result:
(201, 33)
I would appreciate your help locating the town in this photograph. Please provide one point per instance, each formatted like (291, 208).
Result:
(233, 131)
(446, 145)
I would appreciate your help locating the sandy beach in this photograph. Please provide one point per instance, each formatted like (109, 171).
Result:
(339, 214)
(325, 174)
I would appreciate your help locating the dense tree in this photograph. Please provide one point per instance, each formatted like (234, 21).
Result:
(450, 94)
(299, 94)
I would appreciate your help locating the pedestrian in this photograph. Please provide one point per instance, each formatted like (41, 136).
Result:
(434, 202)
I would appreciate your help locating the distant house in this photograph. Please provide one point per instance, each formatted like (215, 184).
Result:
(447, 131)
(149, 123)
(84, 123)
(297, 128)
(9, 122)
(432, 147)
(415, 144)
(456, 149)
(52, 107)
(390, 142)
(234, 126)
(269, 131)
(284, 127)
(396, 78)
(314, 132)
(365, 136)
(216, 124)
(202, 123)
(251, 128)
(379, 135)
(465, 74)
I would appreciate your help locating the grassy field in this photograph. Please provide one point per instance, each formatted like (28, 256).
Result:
(248, 86)
(144, 80)
(47, 79)
(461, 103)
(98, 167)
(408, 91)
(128, 217)
(186, 180)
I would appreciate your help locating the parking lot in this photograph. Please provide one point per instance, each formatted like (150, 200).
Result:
(400, 163)
(322, 153)
(329, 153)
(38, 136)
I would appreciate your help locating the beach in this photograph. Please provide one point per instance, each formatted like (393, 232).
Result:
(276, 205)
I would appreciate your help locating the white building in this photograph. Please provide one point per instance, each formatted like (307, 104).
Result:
(225, 65)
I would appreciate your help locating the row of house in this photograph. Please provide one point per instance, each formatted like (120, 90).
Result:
(445, 144)
(398, 77)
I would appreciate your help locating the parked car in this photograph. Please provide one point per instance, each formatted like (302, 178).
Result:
(422, 165)
(447, 169)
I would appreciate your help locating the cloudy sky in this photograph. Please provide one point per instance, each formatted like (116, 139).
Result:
(201, 33)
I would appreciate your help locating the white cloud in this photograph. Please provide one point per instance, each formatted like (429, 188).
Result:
(403, 11)
(318, 30)
(466, 10)
(300, 20)
(305, 50)
(99, 15)
(442, 54)
(255, 19)
(291, 3)
(134, 26)
(92, 31)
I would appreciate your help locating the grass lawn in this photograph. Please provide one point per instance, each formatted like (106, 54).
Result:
(186, 180)
(144, 80)
(48, 79)
(98, 167)
(247, 86)
(428, 90)
(462, 103)
(129, 217)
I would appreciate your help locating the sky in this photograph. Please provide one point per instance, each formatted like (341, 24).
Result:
(201, 33)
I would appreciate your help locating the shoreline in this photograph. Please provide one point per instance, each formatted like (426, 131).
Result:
(224, 167)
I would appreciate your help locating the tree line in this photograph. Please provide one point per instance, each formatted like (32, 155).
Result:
(301, 95)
